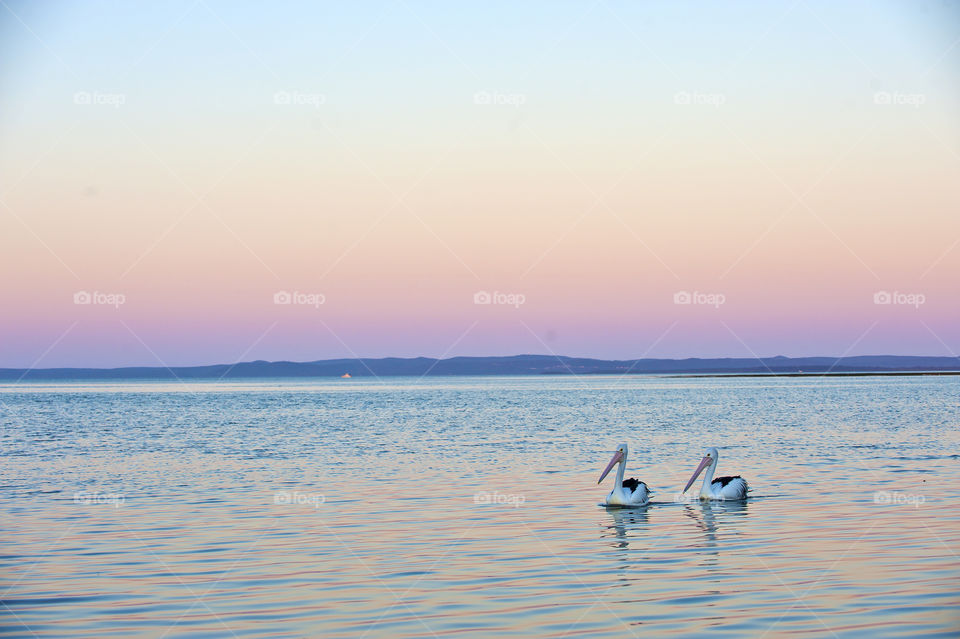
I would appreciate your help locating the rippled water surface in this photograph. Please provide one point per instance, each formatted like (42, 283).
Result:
(469, 507)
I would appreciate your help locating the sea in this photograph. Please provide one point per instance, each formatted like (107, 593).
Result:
(469, 507)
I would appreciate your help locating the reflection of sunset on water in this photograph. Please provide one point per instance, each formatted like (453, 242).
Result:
(472, 503)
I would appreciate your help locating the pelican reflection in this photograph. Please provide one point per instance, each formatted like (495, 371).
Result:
(711, 517)
(623, 520)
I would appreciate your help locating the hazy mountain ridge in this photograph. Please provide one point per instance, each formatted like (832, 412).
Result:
(505, 365)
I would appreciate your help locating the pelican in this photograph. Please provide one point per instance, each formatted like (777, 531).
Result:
(626, 492)
(721, 488)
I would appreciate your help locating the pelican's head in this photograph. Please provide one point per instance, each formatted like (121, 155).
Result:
(710, 459)
(619, 456)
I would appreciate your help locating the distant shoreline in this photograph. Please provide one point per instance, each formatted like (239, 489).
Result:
(823, 374)
(513, 365)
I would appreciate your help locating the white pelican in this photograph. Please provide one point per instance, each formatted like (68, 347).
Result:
(721, 488)
(626, 492)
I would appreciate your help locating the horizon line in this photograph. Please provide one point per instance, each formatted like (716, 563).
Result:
(762, 360)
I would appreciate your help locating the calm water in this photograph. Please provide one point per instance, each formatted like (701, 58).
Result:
(469, 507)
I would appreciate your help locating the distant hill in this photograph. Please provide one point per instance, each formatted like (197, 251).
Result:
(511, 365)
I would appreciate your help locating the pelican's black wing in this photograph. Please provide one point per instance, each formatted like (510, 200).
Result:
(632, 484)
(723, 481)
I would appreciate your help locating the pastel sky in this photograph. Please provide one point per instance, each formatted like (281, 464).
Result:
(785, 164)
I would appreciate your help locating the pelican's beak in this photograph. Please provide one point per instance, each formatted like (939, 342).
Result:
(617, 457)
(706, 461)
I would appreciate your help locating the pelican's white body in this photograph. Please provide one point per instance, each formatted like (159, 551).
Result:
(723, 488)
(625, 495)
(735, 489)
(621, 496)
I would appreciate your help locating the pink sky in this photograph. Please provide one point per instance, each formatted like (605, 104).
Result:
(793, 182)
